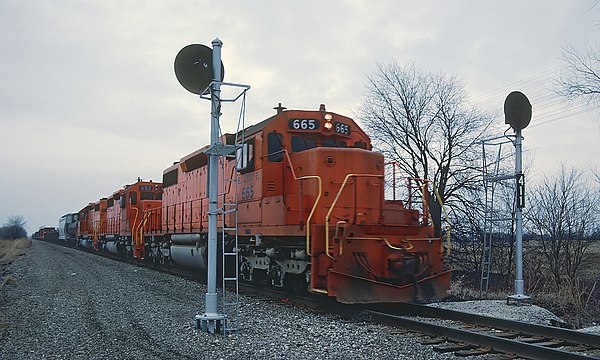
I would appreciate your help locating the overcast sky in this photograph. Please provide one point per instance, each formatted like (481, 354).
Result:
(89, 100)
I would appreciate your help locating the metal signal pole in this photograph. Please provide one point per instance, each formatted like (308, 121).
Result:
(211, 320)
(517, 110)
(519, 295)
(200, 71)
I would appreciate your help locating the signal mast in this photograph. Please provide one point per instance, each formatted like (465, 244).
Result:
(196, 71)
(517, 112)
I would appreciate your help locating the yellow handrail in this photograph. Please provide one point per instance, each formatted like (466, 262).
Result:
(410, 245)
(94, 237)
(335, 200)
(441, 202)
(142, 225)
(134, 228)
(337, 230)
(314, 208)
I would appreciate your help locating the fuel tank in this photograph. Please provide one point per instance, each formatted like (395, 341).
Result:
(87, 243)
(190, 256)
(111, 246)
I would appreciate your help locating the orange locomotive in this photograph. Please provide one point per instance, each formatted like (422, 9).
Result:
(114, 224)
(311, 213)
(85, 225)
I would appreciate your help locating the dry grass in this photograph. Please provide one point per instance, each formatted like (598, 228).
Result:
(11, 249)
(461, 288)
(574, 301)
(594, 262)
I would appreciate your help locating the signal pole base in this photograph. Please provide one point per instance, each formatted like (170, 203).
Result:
(518, 299)
(211, 323)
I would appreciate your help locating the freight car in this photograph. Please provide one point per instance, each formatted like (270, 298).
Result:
(310, 213)
(67, 227)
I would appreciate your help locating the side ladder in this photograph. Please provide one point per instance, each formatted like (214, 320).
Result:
(229, 245)
(494, 216)
(229, 217)
(486, 255)
(230, 268)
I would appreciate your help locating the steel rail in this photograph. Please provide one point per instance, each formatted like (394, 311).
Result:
(570, 336)
(497, 344)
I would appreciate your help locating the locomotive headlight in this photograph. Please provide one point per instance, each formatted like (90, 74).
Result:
(328, 124)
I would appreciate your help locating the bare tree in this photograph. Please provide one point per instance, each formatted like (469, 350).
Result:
(563, 218)
(596, 175)
(423, 123)
(14, 228)
(583, 78)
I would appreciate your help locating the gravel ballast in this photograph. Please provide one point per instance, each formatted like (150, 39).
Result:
(67, 304)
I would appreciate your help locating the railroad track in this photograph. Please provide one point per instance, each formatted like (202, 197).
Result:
(467, 334)
(462, 334)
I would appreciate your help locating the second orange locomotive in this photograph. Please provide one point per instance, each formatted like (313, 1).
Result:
(115, 224)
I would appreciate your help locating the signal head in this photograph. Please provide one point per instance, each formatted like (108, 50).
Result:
(517, 110)
(194, 68)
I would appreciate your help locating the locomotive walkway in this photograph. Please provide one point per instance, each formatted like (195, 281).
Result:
(67, 304)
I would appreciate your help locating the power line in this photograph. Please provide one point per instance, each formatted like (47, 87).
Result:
(525, 83)
(546, 102)
(559, 117)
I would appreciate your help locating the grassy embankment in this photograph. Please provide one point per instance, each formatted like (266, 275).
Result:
(10, 250)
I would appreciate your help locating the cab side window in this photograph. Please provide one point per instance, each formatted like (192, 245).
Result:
(245, 157)
(133, 198)
(274, 147)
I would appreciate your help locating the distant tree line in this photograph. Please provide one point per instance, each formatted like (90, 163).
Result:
(14, 228)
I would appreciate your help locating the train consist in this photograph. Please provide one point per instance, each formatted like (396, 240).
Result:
(305, 198)
(45, 233)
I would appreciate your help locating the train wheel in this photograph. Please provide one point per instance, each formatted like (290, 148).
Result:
(277, 276)
(246, 270)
